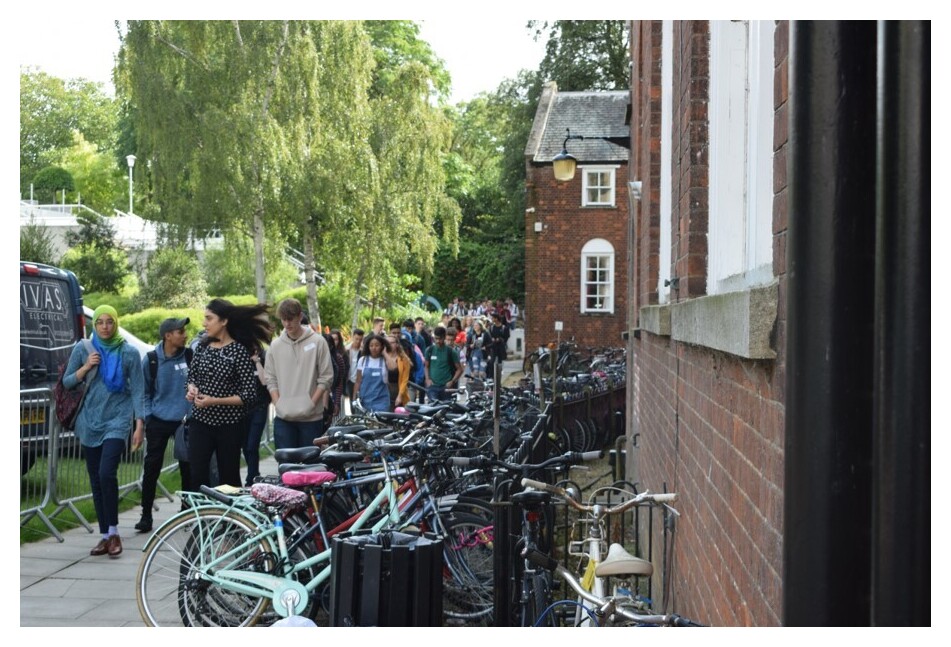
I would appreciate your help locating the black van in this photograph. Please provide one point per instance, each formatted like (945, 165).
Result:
(51, 322)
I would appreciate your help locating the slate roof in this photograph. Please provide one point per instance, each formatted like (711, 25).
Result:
(589, 113)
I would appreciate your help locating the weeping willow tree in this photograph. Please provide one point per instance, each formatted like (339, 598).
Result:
(262, 125)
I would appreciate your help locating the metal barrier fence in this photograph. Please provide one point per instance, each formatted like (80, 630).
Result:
(53, 466)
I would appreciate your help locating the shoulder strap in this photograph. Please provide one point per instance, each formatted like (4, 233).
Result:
(153, 371)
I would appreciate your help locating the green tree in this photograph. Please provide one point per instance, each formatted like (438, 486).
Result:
(585, 54)
(97, 180)
(51, 109)
(172, 279)
(98, 269)
(36, 244)
(51, 180)
(201, 96)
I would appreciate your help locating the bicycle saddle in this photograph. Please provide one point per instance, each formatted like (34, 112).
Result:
(621, 562)
(344, 429)
(307, 477)
(531, 498)
(300, 467)
(307, 455)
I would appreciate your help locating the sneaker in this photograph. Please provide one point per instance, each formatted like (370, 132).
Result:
(145, 524)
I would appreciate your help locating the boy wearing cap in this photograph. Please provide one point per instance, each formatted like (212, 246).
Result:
(166, 375)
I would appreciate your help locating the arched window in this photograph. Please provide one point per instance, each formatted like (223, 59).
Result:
(597, 276)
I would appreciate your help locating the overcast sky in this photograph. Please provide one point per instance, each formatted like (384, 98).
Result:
(479, 51)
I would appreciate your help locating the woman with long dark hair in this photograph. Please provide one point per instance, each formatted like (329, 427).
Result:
(371, 383)
(115, 395)
(222, 386)
(341, 369)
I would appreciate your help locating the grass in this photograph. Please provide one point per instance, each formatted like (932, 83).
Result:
(36, 530)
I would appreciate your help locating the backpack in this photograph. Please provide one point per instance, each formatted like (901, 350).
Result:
(68, 402)
(153, 366)
(419, 366)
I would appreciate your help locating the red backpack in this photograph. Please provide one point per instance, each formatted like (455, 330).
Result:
(67, 402)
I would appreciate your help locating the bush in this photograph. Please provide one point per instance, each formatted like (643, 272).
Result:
(98, 269)
(230, 270)
(173, 279)
(36, 244)
(123, 304)
(335, 307)
(145, 324)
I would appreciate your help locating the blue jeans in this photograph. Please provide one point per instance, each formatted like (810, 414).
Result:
(256, 420)
(436, 392)
(290, 434)
(102, 464)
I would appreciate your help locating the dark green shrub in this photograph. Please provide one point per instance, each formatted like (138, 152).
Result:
(98, 269)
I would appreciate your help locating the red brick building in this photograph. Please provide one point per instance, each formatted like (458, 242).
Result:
(576, 231)
(707, 376)
(779, 316)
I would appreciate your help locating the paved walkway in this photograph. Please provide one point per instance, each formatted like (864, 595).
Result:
(61, 585)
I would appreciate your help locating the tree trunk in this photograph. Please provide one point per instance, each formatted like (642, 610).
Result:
(356, 291)
(310, 277)
(260, 285)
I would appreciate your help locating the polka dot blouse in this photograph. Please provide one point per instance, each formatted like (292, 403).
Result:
(223, 372)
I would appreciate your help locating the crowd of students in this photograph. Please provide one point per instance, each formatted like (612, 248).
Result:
(225, 381)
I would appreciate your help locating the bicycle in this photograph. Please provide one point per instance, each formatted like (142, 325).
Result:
(605, 611)
(220, 564)
(618, 563)
(533, 586)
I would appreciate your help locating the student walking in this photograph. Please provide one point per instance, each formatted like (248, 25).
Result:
(222, 386)
(115, 396)
(165, 372)
(443, 368)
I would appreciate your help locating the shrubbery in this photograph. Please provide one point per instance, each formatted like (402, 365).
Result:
(173, 279)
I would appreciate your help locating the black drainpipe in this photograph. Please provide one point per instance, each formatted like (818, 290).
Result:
(901, 573)
(831, 272)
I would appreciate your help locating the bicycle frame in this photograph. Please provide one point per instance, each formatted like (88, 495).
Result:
(287, 595)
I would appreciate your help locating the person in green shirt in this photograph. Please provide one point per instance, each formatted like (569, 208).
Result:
(443, 368)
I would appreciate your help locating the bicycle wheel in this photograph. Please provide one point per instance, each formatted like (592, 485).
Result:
(171, 588)
(535, 600)
(467, 580)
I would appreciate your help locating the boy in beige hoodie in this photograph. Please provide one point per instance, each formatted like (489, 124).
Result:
(299, 375)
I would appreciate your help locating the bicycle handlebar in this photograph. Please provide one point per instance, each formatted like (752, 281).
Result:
(640, 499)
(484, 461)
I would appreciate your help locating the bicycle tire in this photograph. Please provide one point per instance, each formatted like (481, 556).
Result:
(536, 600)
(168, 585)
(468, 596)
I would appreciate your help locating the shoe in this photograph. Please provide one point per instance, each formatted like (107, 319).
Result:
(114, 546)
(101, 548)
(145, 524)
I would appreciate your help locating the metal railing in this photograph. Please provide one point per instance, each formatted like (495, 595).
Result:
(53, 466)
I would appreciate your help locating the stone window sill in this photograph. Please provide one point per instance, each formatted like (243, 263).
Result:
(740, 323)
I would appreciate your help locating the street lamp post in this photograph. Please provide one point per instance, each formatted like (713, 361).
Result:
(131, 161)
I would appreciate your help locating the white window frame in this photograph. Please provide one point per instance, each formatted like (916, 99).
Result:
(612, 173)
(598, 248)
(741, 155)
(666, 146)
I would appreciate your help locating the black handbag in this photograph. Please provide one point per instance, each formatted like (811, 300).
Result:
(181, 441)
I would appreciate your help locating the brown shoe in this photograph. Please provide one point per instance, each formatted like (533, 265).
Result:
(114, 546)
(101, 548)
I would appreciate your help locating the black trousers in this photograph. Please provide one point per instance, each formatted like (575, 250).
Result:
(157, 434)
(225, 441)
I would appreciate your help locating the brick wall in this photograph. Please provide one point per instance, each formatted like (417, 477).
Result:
(553, 260)
(711, 424)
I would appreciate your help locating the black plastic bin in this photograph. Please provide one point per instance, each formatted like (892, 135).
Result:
(387, 579)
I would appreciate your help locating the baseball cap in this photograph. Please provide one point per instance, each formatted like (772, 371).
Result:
(171, 324)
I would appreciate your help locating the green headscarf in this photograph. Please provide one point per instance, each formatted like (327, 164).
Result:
(116, 338)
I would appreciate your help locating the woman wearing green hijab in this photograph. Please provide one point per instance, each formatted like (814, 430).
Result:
(115, 395)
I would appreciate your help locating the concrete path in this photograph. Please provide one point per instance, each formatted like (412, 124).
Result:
(61, 585)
